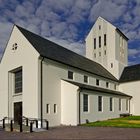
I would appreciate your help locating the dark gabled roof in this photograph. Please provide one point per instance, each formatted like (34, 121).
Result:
(53, 51)
(117, 29)
(99, 89)
(130, 73)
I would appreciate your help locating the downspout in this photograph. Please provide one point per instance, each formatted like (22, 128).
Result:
(79, 90)
(41, 91)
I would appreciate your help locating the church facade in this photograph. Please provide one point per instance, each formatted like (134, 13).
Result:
(41, 79)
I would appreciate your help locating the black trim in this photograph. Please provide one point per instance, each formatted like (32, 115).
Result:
(41, 91)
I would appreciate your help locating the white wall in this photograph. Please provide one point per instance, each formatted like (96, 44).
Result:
(26, 57)
(132, 88)
(94, 115)
(69, 104)
(112, 47)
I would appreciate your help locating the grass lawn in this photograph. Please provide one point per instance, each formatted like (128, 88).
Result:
(128, 122)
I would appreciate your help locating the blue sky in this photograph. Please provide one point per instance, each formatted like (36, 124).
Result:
(67, 22)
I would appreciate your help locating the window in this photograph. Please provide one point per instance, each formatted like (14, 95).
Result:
(115, 87)
(111, 103)
(99, 103)
(47, 108)
(120, 104)
(85, 102)
(94, 55)
(104, 52)
(97, 82)
(99, 53)
(94, 43)
(107, 84)
(104, 39)
(127, 104)
(18, 81)
(70, 75)
(111, 65)
(85, 79)
(15, 46)
(55, 108)
(99, 41)
(99, 27)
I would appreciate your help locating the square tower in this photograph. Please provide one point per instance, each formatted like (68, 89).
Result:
(107, 45)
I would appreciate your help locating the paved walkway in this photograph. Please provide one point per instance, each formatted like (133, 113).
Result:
(81, 133)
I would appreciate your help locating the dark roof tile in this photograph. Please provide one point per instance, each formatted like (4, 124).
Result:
(53, 51)
(130, 73)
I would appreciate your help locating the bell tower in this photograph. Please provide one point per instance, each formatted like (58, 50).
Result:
(107, 45)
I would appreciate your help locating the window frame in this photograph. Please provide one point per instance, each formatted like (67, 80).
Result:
(120, 104)
(47, 108)
(97, 82)
(85, 103)
(18, 81)
(100, 42)
(55, 108)
(86, 78)
(70, 75)
(100, 103)
(94, 43)
(110, 103)
(105, 40)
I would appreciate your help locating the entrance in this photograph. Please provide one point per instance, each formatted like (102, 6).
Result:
(17, 112)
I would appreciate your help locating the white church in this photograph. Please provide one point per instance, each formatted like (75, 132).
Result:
(41, 79)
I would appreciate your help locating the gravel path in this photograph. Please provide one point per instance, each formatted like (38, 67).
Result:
(79, 132)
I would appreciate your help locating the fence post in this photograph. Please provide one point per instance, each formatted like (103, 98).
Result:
(36, 123)
(26, 121)
(11, 125)
(3, 123)
(20, 125)
(47, 125)
(31, 127)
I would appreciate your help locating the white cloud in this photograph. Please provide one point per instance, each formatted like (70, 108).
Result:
(107, 9)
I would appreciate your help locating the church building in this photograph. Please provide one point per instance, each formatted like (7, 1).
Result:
(41, 79)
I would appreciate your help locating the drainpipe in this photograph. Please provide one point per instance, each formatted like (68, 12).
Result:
(79, 91)
(41, 91)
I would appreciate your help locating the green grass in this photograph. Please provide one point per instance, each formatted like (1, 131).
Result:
(125, 122)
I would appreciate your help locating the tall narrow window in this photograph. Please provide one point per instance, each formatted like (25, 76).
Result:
(126, 104)
(111, 65)
(104, 52)
(111, 103)
(99, 103)
(85, 102)
(85, 79)
(107, 84)
(70, 75)
(104, 39)
(94, 55)
(18, 81)
(55, 108)
(120, 104)
(94, 43)
(47, 108)
(97, 82)
(99, 41)
(99, 27)
(115, 87)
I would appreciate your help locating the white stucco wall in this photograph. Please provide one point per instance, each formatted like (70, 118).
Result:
(69, 104)
(94, 115)
(112, 47)
(26, 57)
(132, 88)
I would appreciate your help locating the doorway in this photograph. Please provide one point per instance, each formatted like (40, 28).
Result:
(17, 112)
